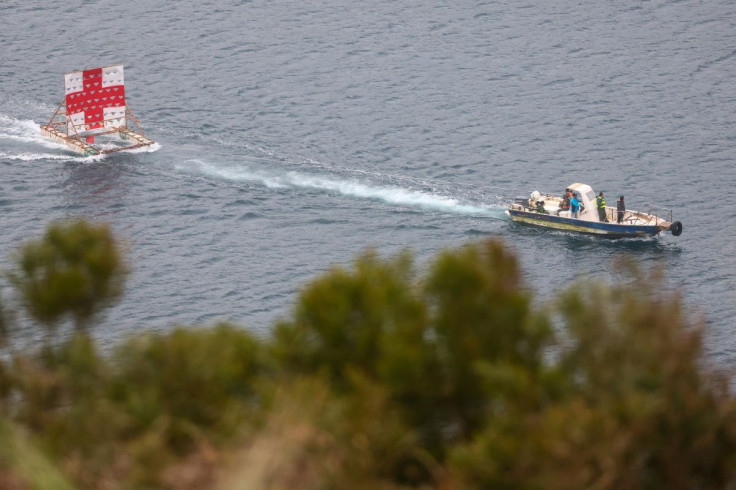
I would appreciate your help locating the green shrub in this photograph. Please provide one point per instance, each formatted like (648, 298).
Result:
(199, 382)
(76, 269)
(23, 465)
(639, 409)
(382, 378)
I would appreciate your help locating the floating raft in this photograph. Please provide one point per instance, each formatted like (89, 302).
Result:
(94, 107)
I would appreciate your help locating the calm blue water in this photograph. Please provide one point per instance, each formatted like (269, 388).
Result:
(293, 135)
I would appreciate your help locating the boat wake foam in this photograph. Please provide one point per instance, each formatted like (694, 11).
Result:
(17, 134)
(390, 194)
(31, 157)
(146, 149)
(25, 131)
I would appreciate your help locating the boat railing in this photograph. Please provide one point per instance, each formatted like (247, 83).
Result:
(660, 213)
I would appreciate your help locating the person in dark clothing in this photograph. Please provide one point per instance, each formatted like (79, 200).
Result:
(601, 204)
(620, 208)
(540, 207)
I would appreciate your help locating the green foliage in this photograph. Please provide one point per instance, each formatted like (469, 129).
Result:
(342, 318)
(76, 270)
(4, 323)
(486, 338)
(62, 398)
(381, 378)
(198, 382)
(315, 438)
(427, 346)
(23, 464)
(480, 308)
(638, 410)
(129, 418)
(637, 365)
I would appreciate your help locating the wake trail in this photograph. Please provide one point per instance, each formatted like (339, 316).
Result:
(31, 157)
(361, 184)
(19, 133)
(311, 163)
(25, 131)
(400, 196)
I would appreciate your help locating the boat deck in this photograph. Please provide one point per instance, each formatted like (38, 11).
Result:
(552, 204)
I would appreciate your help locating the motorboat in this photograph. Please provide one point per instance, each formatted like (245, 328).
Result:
(551, 211)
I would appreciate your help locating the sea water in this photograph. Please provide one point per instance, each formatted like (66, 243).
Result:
(293, 135)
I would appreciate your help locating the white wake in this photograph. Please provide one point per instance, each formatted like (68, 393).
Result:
(25, 132)
(389, 194)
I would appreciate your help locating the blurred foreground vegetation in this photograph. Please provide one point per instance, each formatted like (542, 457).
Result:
(381, 378)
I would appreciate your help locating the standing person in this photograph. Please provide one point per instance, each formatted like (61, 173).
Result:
(574, 206)
(620, 208)
(565, 204)
(601, 204)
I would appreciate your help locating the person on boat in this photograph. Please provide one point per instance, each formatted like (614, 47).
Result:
(540, 207)
(620, 208)
(574, 205)
(601, 204)
(565, 204)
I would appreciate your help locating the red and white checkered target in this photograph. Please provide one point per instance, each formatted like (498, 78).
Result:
(95, 98)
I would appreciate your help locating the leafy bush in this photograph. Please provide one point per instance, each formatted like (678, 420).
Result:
(426, 345)
(203, 381)
(76, 269)
(638, 410)
(382, 378)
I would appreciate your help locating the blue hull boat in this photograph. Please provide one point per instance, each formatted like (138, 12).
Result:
(548, 211)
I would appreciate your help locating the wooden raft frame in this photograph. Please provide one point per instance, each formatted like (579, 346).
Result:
(58, 129)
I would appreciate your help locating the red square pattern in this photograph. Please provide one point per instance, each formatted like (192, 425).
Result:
(93, 98)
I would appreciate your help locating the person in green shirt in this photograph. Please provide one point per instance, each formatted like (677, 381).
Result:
(601, 205)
